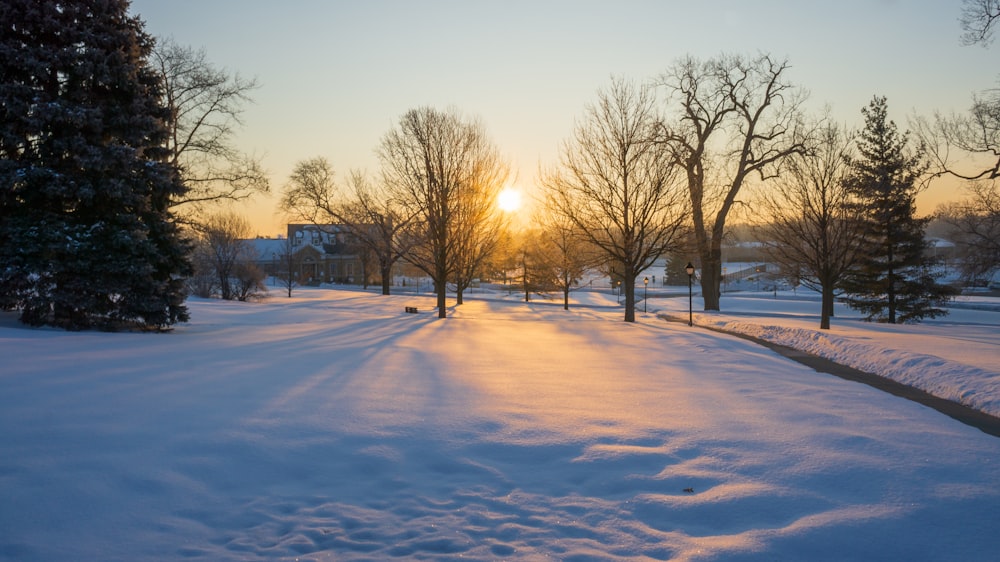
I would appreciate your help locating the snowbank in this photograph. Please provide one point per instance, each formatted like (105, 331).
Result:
(969, 376)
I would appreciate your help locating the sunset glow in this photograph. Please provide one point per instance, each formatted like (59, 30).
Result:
(527, 108)
(509, 200)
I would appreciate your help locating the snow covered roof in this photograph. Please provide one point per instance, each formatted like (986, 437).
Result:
(267, 248)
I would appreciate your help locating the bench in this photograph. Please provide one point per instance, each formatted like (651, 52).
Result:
(411, 310)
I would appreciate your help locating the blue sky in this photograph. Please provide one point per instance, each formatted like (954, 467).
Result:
(335, 76)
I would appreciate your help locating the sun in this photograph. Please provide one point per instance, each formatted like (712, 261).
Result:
(509, 200)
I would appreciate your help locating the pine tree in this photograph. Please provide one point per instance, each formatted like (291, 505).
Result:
(893, 282)
(86, 237)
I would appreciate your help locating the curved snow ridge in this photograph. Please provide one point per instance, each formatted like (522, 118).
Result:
(950, 380)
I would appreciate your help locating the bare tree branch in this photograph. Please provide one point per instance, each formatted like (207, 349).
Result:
(732, 118)
(442, 168)
(975, 229)
(206, 105)
(810, 225)
(978, 20)
(617, 186)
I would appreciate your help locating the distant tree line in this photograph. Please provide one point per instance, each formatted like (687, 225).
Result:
(117, 158)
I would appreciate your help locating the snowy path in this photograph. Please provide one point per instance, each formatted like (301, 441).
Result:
(332, 426)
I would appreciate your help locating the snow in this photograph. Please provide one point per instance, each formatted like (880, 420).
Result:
(956, 357)
(333, 426)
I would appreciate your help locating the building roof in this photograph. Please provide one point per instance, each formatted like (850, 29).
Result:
(268, 248)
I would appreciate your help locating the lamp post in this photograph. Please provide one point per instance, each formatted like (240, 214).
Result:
(689, 269)
(645, 288)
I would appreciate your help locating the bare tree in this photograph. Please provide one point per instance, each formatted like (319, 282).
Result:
(733, 118)
(203, 281)
(206, 104)
(968, 146)
(224, 245)
(975, 228)
(248, 281)
(562, 253)
(978, 20)
(286, 265)
(617, 185)
(376, 221)
(810, 225)
(438, 165)
(479, 230)
(965, 146)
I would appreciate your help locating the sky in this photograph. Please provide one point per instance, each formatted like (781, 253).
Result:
(336, 76)
(334, 426)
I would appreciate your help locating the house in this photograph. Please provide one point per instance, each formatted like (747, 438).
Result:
(311, 254)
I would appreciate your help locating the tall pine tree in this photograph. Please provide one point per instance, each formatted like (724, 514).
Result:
(86, 237)
(893, 282)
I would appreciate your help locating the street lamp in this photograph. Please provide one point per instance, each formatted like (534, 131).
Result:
(689, 269)
(645, 287)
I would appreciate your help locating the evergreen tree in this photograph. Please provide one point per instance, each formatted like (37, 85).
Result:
(86, 237)
(893, 281)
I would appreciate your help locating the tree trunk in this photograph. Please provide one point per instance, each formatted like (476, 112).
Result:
(386, 273)
(440, 285)
(566, 297)
(711, 274)
(891, 281)
(827, 306)
(709, 250)
(524, 275)
(629, 284)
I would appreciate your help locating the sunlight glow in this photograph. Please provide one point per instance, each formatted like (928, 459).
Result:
(509, 200)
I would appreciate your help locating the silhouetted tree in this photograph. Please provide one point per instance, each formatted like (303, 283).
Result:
(618, 186)
(732, 118)
(225, 249)
(286, 266)
(479, 230)
(443, 169)
(375, 220)
(810, 226)
(966, 146)
(979, 19)
(562, 253)
(248, 281)
(206, 104)
(892, 281)
(975, 229)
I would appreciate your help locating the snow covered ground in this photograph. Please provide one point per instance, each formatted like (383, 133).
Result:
(333, 426)
(956, 357)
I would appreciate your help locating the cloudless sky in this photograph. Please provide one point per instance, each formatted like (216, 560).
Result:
(336, 76)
